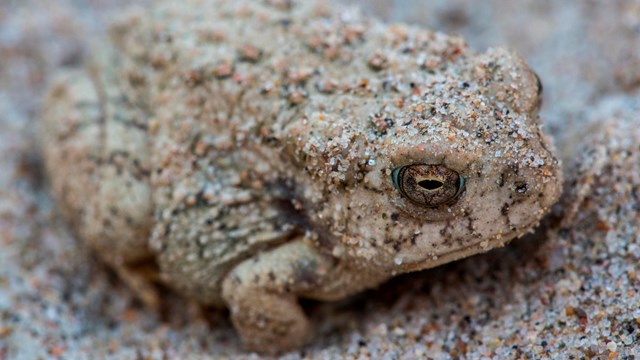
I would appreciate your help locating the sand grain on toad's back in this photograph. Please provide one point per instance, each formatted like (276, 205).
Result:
(260, 151)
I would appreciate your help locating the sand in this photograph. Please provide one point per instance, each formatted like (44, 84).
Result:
(570, 290)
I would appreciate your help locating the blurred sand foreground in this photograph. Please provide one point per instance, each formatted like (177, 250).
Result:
(572, 290)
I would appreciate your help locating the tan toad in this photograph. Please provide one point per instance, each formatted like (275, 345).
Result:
(260, 151)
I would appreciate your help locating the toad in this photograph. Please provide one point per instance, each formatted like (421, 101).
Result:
(261, 151)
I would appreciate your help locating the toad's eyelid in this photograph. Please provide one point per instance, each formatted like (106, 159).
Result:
(463, 183)
(395, 177)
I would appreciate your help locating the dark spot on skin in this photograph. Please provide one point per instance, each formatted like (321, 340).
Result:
(446, 227)
(505, 209)
(209, 222)
(272, 276)
(305, 273)
(413, 239)
(395, 216)
(501, 180)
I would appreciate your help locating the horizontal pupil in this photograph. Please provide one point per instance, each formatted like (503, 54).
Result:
(431, 184)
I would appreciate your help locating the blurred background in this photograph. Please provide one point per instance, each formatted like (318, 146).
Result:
(57, 301)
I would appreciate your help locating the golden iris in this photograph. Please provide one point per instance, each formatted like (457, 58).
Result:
(428, 185)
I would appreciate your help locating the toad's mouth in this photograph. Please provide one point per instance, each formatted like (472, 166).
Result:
(411, 262)
(453, 255)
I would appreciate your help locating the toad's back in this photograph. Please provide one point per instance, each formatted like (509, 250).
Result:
(238, 84)
(225, 90)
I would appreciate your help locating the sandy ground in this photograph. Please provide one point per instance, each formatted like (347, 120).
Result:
(571, 290)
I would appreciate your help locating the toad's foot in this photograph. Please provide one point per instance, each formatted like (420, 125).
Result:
(262, 295)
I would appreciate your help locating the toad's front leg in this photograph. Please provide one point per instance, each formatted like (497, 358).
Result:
(262, 292)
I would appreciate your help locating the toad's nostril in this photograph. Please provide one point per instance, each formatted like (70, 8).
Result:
(521, 187)
(430, 184)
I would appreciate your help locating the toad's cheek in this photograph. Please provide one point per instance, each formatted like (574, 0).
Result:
(488, 225)
(438, 243)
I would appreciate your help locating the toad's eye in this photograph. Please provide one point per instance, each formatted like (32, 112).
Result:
(428, 185)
